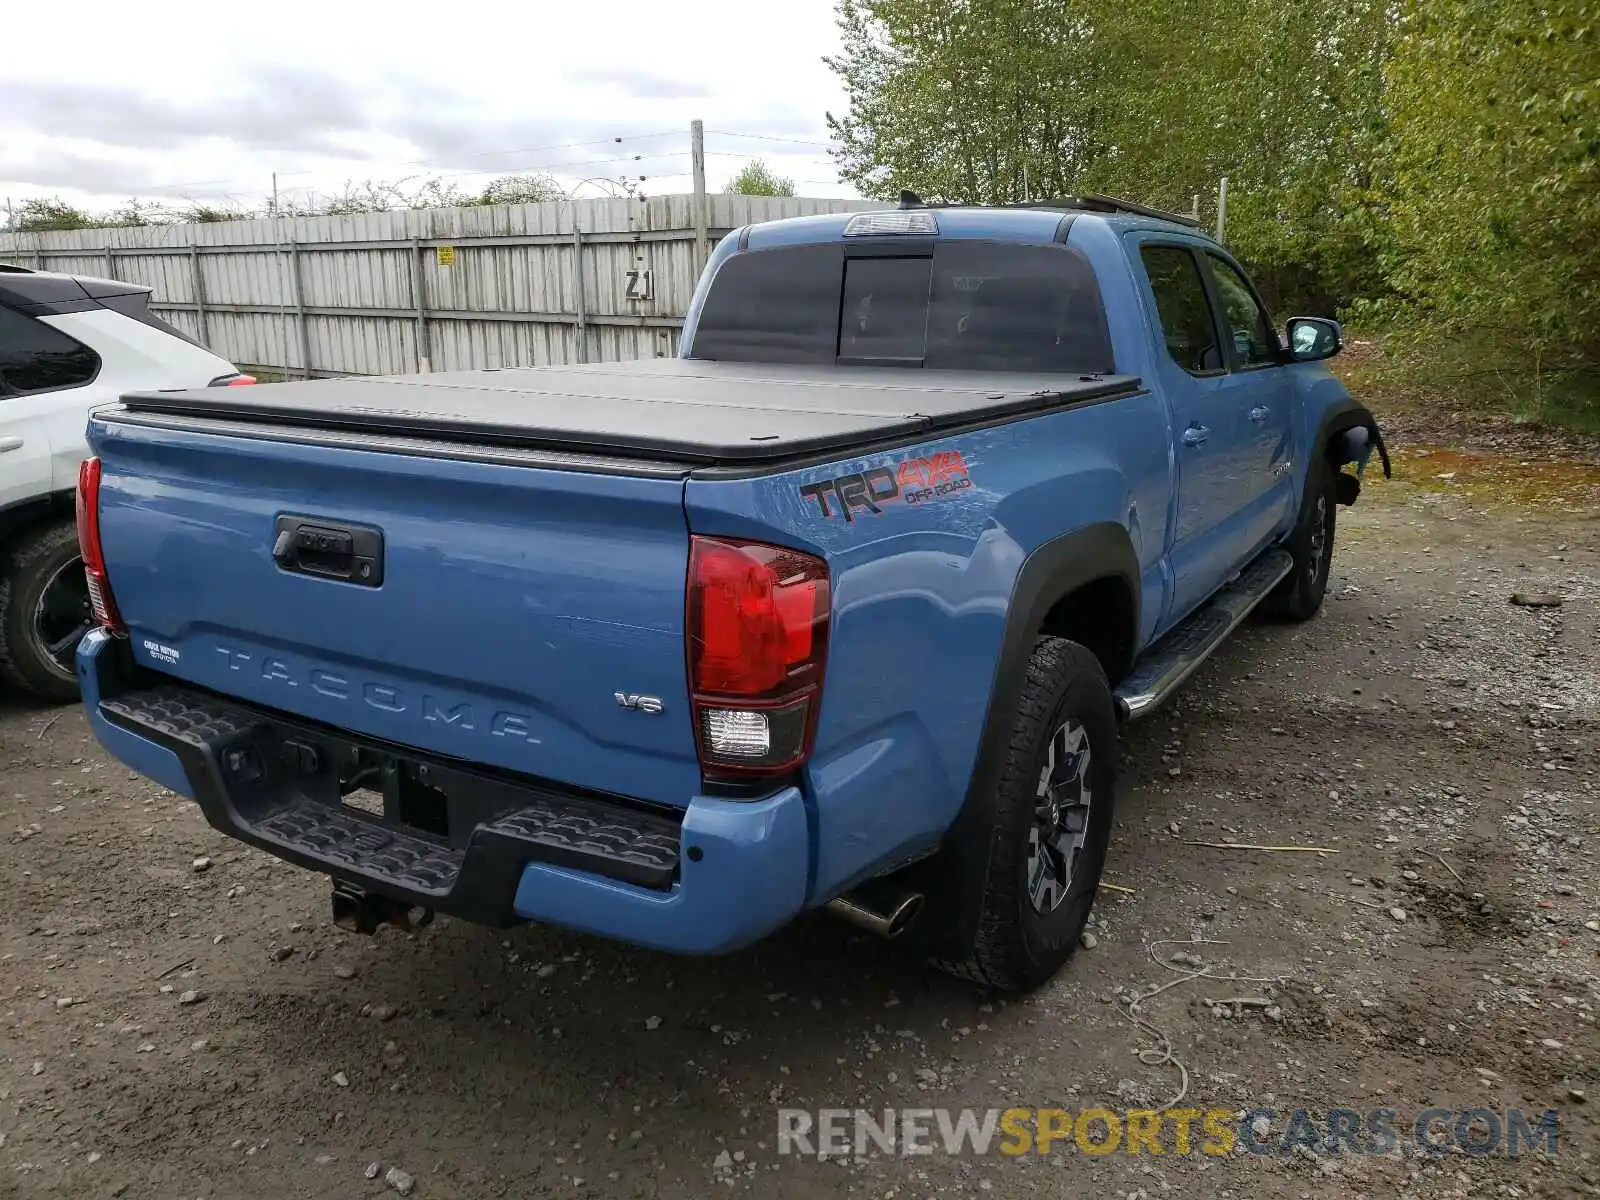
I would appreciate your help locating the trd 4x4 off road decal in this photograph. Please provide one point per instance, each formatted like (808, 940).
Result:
(911, 481)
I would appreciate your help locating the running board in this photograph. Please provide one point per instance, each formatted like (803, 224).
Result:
(1179, 653)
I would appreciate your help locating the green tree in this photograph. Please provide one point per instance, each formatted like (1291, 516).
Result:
(757, 179)
(1000, 101)
(981, 101)
(200, 213)
(133, 214)
(370, 196)
(520, 189)
(1285, 101)
(435, 193)
(1493, 195)
(46, 215)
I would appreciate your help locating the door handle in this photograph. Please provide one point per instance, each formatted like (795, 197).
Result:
(10, 443)
(1195, 435)
(1260, 413)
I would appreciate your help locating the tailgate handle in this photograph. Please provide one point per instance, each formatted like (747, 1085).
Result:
(329, 550)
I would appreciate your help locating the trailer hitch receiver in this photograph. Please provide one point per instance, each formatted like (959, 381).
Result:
(361, 911)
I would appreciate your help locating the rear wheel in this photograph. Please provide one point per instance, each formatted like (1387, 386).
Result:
(44, 611)
(1052, 821)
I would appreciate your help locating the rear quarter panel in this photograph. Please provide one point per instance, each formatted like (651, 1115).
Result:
(921, 594)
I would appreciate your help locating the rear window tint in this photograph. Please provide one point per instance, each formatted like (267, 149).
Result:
(972, 305)
(885, 314)
(1000, 307)
(773, 306)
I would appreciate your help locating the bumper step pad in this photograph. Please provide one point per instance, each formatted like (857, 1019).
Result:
(357, 845)
(240, 764)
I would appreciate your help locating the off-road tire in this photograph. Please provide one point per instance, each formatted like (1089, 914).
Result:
(1017, 947)
(1299, 595)
(31, 560)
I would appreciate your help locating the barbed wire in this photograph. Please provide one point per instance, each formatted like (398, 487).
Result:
(627, 171)
(415, 162)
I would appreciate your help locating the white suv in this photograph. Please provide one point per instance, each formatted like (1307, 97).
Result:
(67, 344)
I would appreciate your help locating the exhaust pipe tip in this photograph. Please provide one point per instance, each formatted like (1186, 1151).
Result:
(887, 921)
(904, 913)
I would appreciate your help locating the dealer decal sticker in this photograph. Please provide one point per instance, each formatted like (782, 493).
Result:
(910, 481)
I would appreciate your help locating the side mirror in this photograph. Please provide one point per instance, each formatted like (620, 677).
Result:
(1312, 339)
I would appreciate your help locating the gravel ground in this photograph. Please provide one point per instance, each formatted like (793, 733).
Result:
(178, 1017)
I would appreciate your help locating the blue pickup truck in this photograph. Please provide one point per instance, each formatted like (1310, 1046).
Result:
(842, 608)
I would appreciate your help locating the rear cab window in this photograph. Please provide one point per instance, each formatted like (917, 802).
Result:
(884, 317)
(961, 305)
(1182, 308)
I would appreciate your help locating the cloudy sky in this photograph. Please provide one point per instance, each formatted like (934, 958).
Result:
(100, 102)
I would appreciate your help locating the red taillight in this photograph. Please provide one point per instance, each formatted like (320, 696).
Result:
(94, 559)
(758, 635)
(238, 380)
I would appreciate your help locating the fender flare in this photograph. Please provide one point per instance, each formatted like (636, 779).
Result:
(1338, 417)
(1349, 414)
(953, 881)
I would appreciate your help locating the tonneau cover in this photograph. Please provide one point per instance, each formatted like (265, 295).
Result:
(687, 410)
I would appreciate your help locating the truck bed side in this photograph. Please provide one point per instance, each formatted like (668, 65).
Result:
(924, 590)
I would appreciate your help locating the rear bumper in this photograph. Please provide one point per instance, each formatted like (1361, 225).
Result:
(718, 876)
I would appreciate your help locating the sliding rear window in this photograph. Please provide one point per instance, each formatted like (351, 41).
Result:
(970, 305)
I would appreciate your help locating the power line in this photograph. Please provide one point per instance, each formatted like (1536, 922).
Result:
(147, 189)
(632, 137)
(663, 157)
(418, 162)
(768, 137)
(553, 166)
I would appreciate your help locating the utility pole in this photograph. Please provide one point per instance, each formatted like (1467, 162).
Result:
(697, 154)
(1222, 207)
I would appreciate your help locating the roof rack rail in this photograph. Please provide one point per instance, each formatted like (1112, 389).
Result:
(1087, 203)
(1096, 203)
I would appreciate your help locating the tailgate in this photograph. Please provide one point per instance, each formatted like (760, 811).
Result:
(488, 612)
